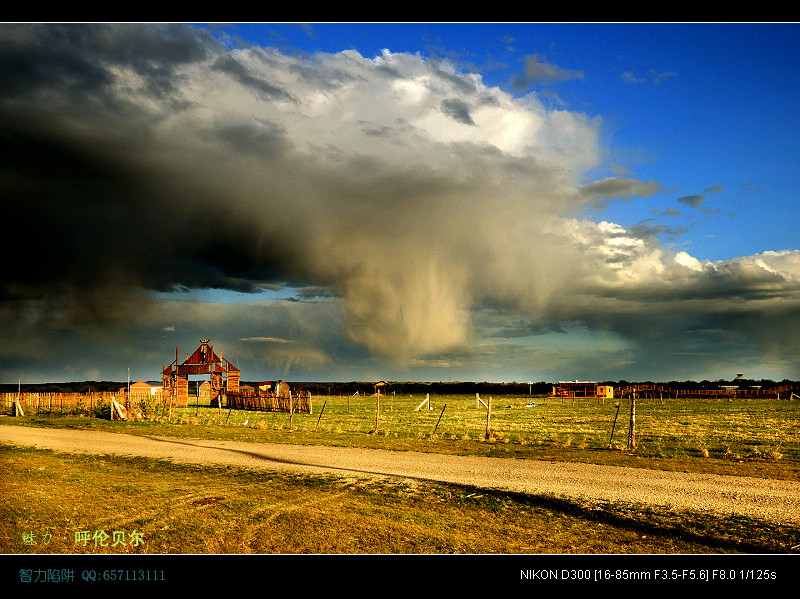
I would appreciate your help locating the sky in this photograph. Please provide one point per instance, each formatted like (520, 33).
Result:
(401, 201)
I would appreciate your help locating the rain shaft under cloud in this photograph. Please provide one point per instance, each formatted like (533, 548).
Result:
(412, 197)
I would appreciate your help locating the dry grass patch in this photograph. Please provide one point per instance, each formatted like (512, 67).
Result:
(48, 497)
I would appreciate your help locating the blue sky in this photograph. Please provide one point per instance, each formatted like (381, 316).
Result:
(403, 201)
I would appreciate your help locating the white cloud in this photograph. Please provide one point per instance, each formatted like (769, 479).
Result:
(688, 261)
(264, 340)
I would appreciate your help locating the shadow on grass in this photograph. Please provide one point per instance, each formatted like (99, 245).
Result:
(726, 533)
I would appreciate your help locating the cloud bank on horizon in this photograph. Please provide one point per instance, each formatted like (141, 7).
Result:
(387, 217)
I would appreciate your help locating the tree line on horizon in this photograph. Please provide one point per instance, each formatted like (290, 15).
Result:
(406, 387)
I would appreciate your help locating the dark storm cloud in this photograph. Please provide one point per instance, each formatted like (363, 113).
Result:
(709, 328)
(72, 62)
(96, 206)
(89, 217)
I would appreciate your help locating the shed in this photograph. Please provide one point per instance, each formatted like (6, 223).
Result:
(573, 389)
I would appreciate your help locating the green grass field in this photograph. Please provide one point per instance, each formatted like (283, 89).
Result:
(751, 437)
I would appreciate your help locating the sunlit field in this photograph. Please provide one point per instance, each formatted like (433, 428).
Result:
(761, 433)
(739, 429)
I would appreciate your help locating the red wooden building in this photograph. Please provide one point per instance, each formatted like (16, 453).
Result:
(175, 377)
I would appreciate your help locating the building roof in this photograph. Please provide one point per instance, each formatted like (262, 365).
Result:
(142, 384)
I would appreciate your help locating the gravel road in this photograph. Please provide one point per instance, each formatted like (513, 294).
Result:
(770, 499)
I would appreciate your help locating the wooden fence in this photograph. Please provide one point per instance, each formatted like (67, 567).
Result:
(60, 401)
(643, 392)
(32, 402)
(251, 399)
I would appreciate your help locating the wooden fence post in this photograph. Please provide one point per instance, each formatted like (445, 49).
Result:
(632, 428)
(427, 400)
(488, 417)
(377, 409)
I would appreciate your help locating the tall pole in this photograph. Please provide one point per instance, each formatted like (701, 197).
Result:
(377, 409)
(488, 417)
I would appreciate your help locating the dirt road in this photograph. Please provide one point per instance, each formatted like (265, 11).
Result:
(771, 499)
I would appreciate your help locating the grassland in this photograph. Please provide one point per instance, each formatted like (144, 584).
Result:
(184, 509)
